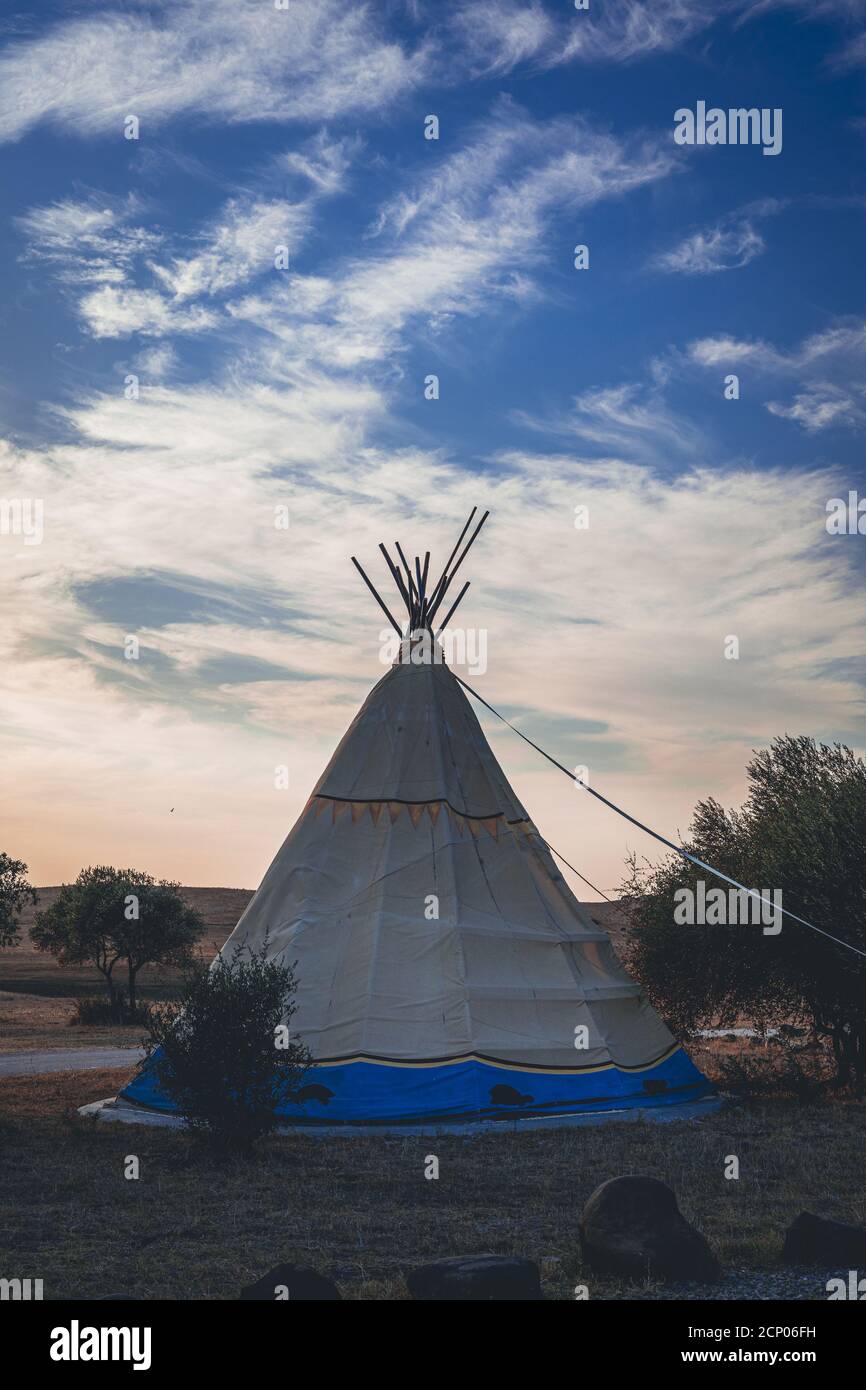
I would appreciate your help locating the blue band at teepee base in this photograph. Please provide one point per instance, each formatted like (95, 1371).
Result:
(373, 1093)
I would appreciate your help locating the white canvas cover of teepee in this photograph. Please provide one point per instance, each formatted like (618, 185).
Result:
(447, 973)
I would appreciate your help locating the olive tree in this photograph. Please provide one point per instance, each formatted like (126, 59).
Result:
(15, 892)
(800, 831)
(110, 917)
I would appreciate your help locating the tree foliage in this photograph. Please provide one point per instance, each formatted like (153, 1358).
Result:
(15, 892)
(226, 1057)
(801, 830)
(110, 916)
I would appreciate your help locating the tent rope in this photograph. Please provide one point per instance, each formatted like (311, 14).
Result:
(677, 849)
(583, 879)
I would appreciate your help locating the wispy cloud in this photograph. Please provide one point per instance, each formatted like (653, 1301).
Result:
(853, 53)
(323, 161)
(629, 421)
(218, 60)
(842, 340)
(847, 13)
(90, 241)
(241, 61)
(632, 30)
(86, 243)
(818, 403)
(728, 245)
(821, 406)
(498, 38)
(112, 312)
(457, 240)
(244, 243)
(157, 362)
(465, 238)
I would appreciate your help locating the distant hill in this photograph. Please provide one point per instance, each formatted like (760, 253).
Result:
(220, 907)
(24, 969)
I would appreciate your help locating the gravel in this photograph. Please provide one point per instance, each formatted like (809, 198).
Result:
(789, 1285)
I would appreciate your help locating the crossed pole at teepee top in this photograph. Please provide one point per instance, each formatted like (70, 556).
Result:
(422, 606)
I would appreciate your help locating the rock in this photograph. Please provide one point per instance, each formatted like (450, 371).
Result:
(814, 1240)
(292, 1283)
(632, 1227)
(476, 1279)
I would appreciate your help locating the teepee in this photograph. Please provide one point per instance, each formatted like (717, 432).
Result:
(447, 974)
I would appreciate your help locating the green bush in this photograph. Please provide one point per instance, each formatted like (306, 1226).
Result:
(100, 1012)
(225, 1056)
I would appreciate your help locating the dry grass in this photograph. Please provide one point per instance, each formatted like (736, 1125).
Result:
(32, 1022)
(361, 1210)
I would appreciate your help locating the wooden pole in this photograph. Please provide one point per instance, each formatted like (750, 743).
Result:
(441, 578)
(388, 615)
(469, 545)
(453, 607)
(398, 578)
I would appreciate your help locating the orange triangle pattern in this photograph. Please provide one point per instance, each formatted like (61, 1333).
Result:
(416, 809)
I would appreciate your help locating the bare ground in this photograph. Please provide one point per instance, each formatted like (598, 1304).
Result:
(33, 1022)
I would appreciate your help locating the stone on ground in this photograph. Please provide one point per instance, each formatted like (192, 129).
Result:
(632, 1227)
(816, 1240)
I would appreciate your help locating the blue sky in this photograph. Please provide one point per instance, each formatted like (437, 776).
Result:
(304, 387)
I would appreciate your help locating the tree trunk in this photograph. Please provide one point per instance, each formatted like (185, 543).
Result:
(839, 1054)
(133, 971)
(109, 984)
